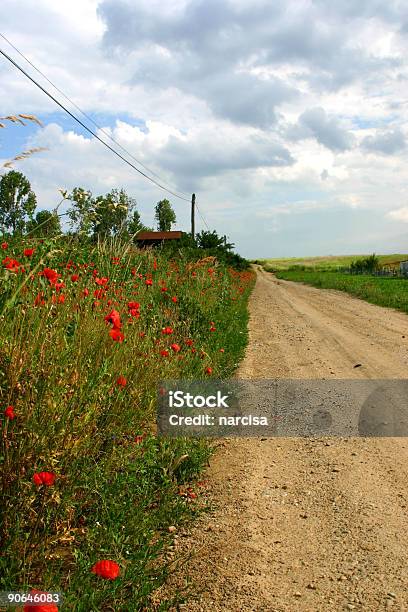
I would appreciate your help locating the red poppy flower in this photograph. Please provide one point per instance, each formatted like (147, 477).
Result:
(28, 252)
(176, 347)
(46, 607)
(39, 299)
(4, 245)
(164, 289)
(213, 329)
(133, 305)
(134, 313)
(142, 334)
(174, 299)
(121, 381)
(114, 318)
(106, 569)
(164, 353)
(75, 278)
(11, 264)
(101, 281)
(116, 334)
(9, 412)
(167, 331)
(51, 275)
(208, 370)
(189, 342)
(222, 350)
(44, 478)
(155, 265)
(99, 293)
(85, 292)
(149, 282)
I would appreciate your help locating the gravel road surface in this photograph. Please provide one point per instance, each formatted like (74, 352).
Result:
(307, 524)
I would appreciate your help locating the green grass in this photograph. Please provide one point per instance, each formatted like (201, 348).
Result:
(330, 262)
(118, 486)
(383, 291)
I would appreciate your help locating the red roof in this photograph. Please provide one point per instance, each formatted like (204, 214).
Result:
(159, 235)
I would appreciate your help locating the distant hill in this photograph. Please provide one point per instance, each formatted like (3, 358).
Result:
(327, 262)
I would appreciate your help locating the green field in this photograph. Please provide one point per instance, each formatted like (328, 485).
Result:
(323, 263)
(383, 291)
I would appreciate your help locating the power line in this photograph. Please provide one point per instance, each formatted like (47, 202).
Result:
(203, 220)
(88, 129)
(83, 112)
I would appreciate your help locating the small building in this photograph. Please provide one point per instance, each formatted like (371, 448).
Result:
(404, 267)
(395, 268)
(145, 239)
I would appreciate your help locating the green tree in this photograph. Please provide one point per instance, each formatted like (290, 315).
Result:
(211, 240)
(81, 214)
(46, 224)
(164, 215)
(111, 213)
(135, 226)
(17, 202)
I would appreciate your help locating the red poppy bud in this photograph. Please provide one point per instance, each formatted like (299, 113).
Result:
(106, 569)
(208, 370)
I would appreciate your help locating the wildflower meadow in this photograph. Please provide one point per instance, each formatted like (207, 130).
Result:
(88, 490)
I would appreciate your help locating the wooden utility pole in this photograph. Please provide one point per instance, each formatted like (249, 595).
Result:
(193, 216)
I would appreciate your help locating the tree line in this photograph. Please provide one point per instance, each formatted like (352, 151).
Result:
(92, 218)
(102, 216)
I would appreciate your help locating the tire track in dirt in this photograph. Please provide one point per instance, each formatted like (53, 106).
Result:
(307, 524)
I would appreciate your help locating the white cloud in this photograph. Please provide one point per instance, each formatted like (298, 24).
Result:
(261, 108)
(400, 214)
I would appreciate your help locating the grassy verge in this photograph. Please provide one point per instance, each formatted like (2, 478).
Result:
(383, 291)
(86, 334)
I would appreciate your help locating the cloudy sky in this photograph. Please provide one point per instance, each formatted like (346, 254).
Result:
(286, 118)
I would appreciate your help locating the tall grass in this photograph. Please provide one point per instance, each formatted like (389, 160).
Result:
(84, 405)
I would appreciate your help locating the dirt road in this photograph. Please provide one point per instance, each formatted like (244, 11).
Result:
(308, 524)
